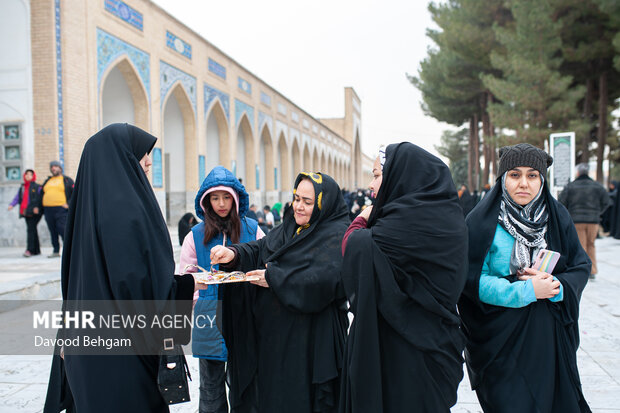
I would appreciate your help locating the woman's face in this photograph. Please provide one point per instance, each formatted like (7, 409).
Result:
(28, 176)
(377, 174)
(221, 202)
(303, 202)
(522, 184)
(146, 163)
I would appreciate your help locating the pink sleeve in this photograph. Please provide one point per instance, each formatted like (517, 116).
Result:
(357, 223)
(259, 233)
(188, 254)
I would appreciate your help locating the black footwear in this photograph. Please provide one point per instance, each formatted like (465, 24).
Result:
(592, 276)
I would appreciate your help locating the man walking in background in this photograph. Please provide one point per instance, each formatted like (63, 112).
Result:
(585, 200)
(57, 190)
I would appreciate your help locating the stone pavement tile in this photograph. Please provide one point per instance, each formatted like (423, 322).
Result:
(601, 392)
(588, 366)
(466, 408)
(609, 362)
(29, 399)
(25, 369)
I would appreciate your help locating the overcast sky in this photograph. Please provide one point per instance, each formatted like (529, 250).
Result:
(309, 51)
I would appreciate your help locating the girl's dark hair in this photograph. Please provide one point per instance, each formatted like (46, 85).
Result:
(214, 224)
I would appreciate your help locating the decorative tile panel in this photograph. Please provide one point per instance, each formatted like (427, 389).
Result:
(265, 98)
(169, 75)
(244, 85)
(61, 128)
(323, 134)
(109, 48)
(306, 124)
(201, 168)
(282, 109)
(315, 129)
(295, 116)
(217, 69)
(240, 109)
(264, 118)
(124, 12)
(211, 94)
(178, 45)
(158, 180)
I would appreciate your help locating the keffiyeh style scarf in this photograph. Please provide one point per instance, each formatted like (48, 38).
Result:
(527, 224)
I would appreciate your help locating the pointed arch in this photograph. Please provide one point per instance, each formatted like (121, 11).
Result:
(122, 76)
(283, 164)
(307, 165)
(296, 163)
(245, 151)
(218, 142)
(265, 163)
(357, 162)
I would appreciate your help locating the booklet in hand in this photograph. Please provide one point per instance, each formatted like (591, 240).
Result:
(546, 260)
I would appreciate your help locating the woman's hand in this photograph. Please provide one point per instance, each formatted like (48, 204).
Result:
(221, 255)
(544, 284)
(366, 213)
(262, 282)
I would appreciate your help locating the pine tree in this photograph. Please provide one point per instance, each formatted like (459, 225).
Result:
(536, 99)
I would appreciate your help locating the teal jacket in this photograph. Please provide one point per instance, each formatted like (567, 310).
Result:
(494, 288)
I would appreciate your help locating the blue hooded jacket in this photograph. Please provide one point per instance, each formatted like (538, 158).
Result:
(207, 341)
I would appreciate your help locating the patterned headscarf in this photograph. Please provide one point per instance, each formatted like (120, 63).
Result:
(382, 156)
(527, 224)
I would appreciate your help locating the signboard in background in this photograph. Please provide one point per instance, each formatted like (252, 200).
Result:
(158, 180)
(562, 149)
(201, 168)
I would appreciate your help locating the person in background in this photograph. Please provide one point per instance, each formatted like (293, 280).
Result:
(252, 212)
(269, 219)
(611, 217)
(276, 211)
(186, 223)
(57, 191)
(28, 198)
(586, 200)
(521, 322)
(221, 203)
(466, 200)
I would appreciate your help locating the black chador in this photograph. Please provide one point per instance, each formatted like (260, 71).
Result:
(285, 342)
(403, 276)
(117, 250)
(524, 359)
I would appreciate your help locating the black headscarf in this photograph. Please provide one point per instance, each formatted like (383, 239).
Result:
(403, 277)
(303, 272)
(528, 351)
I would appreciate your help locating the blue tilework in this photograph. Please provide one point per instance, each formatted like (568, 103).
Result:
(216, 68)
(178, 45)
(201, 168)
(110, 47)
(157, 168)
(265, 98)
(169, 75)
(264, 118)
(61, 132)
(244, 85)
(240, 109)
(211, 94)
(125, 13)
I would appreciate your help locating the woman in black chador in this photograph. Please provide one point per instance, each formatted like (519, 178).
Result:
(285, 334)
(403, 271)
(117, 247)
(520, 322)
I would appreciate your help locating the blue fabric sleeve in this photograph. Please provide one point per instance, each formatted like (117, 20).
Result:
(560, 295)
(499, 291)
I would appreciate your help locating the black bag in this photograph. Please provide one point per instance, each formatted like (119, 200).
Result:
(173, 373)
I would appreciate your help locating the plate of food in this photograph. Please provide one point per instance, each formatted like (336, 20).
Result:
(220, 277)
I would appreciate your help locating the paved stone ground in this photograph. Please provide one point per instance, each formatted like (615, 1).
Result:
(23, 379)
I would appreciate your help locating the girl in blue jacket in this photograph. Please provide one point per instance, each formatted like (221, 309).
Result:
(221, 203)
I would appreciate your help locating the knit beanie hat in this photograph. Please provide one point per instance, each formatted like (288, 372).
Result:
(523, 154)
(55, 163)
